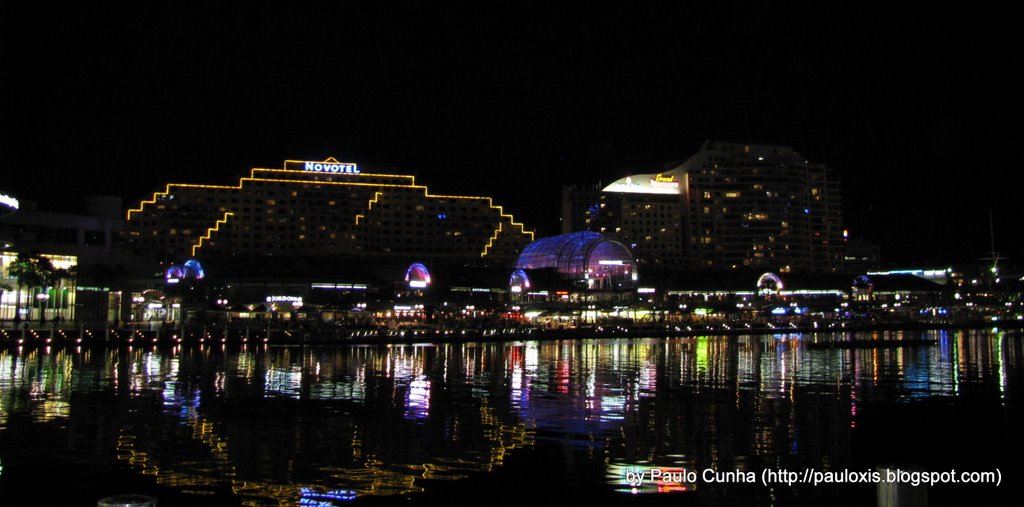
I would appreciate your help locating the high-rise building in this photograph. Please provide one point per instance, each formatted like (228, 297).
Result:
(649, 223)
(321, 209)
(730, 206)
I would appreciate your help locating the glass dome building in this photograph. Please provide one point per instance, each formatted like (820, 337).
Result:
(585, 256)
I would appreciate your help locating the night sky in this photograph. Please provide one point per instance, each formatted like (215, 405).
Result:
(918, 110)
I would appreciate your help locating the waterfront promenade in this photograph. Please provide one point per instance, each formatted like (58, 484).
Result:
(36, 335)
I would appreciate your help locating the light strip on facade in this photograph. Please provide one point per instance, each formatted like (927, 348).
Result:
(811, 292)
(492, 239)
(167, 190)
(339, 286)
(369, 205)
(210, 231)
(411, 185)
(511, 220)
(412, 179)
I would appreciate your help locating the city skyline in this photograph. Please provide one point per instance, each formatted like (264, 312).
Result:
(518, 103)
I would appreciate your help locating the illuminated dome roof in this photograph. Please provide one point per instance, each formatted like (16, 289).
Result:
(660, 183)
(190, 269)
(579, 255)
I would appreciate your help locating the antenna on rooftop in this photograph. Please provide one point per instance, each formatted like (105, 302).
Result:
(993, 254)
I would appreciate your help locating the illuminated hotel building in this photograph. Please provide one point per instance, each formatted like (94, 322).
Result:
(320, 209)
(730, 206)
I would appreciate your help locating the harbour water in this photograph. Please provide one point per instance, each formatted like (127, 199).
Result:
(640, 421)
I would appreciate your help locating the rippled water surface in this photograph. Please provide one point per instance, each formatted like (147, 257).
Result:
(508, 422)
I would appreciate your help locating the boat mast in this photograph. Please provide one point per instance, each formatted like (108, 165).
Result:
(993, 255)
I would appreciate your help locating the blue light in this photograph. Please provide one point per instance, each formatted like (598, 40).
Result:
(573, 254)
(778, 311)
(190, 269)
(807, 211)
(441, 216)
(417, 275)
(193, 269)
(311, 496)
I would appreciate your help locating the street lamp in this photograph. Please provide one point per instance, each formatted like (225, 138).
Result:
(41, 300)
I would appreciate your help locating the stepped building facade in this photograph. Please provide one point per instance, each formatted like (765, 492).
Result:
(328, 208)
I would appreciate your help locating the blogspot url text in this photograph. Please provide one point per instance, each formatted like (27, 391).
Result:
(639, 476)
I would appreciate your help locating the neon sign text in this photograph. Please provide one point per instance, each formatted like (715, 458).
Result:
(664, 181)
(328, 167)
(284, 299)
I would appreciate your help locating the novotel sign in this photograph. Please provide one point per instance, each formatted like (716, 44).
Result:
(331, 167)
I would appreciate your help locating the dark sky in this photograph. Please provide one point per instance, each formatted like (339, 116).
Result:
(918, 110)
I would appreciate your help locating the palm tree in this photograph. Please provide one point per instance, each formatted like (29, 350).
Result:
(31, 270)
(23, 270)
(44, 270)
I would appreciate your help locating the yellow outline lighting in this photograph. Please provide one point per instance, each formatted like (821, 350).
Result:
(252, 174)
(167, 190)
(494, 237)
(490, 242)
(210, 231)
(369, 205)
(411, 185)
(512, 222)
(365, 478)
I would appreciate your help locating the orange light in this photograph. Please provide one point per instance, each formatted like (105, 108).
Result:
(369, 205)
(410, 185)
(210, 231)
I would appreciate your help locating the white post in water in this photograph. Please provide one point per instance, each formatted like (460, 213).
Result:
(896, 487)
(127, 501)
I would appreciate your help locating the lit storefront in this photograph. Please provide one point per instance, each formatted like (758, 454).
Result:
(52, 298)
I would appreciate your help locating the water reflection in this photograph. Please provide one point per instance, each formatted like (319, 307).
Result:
(327, 425)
